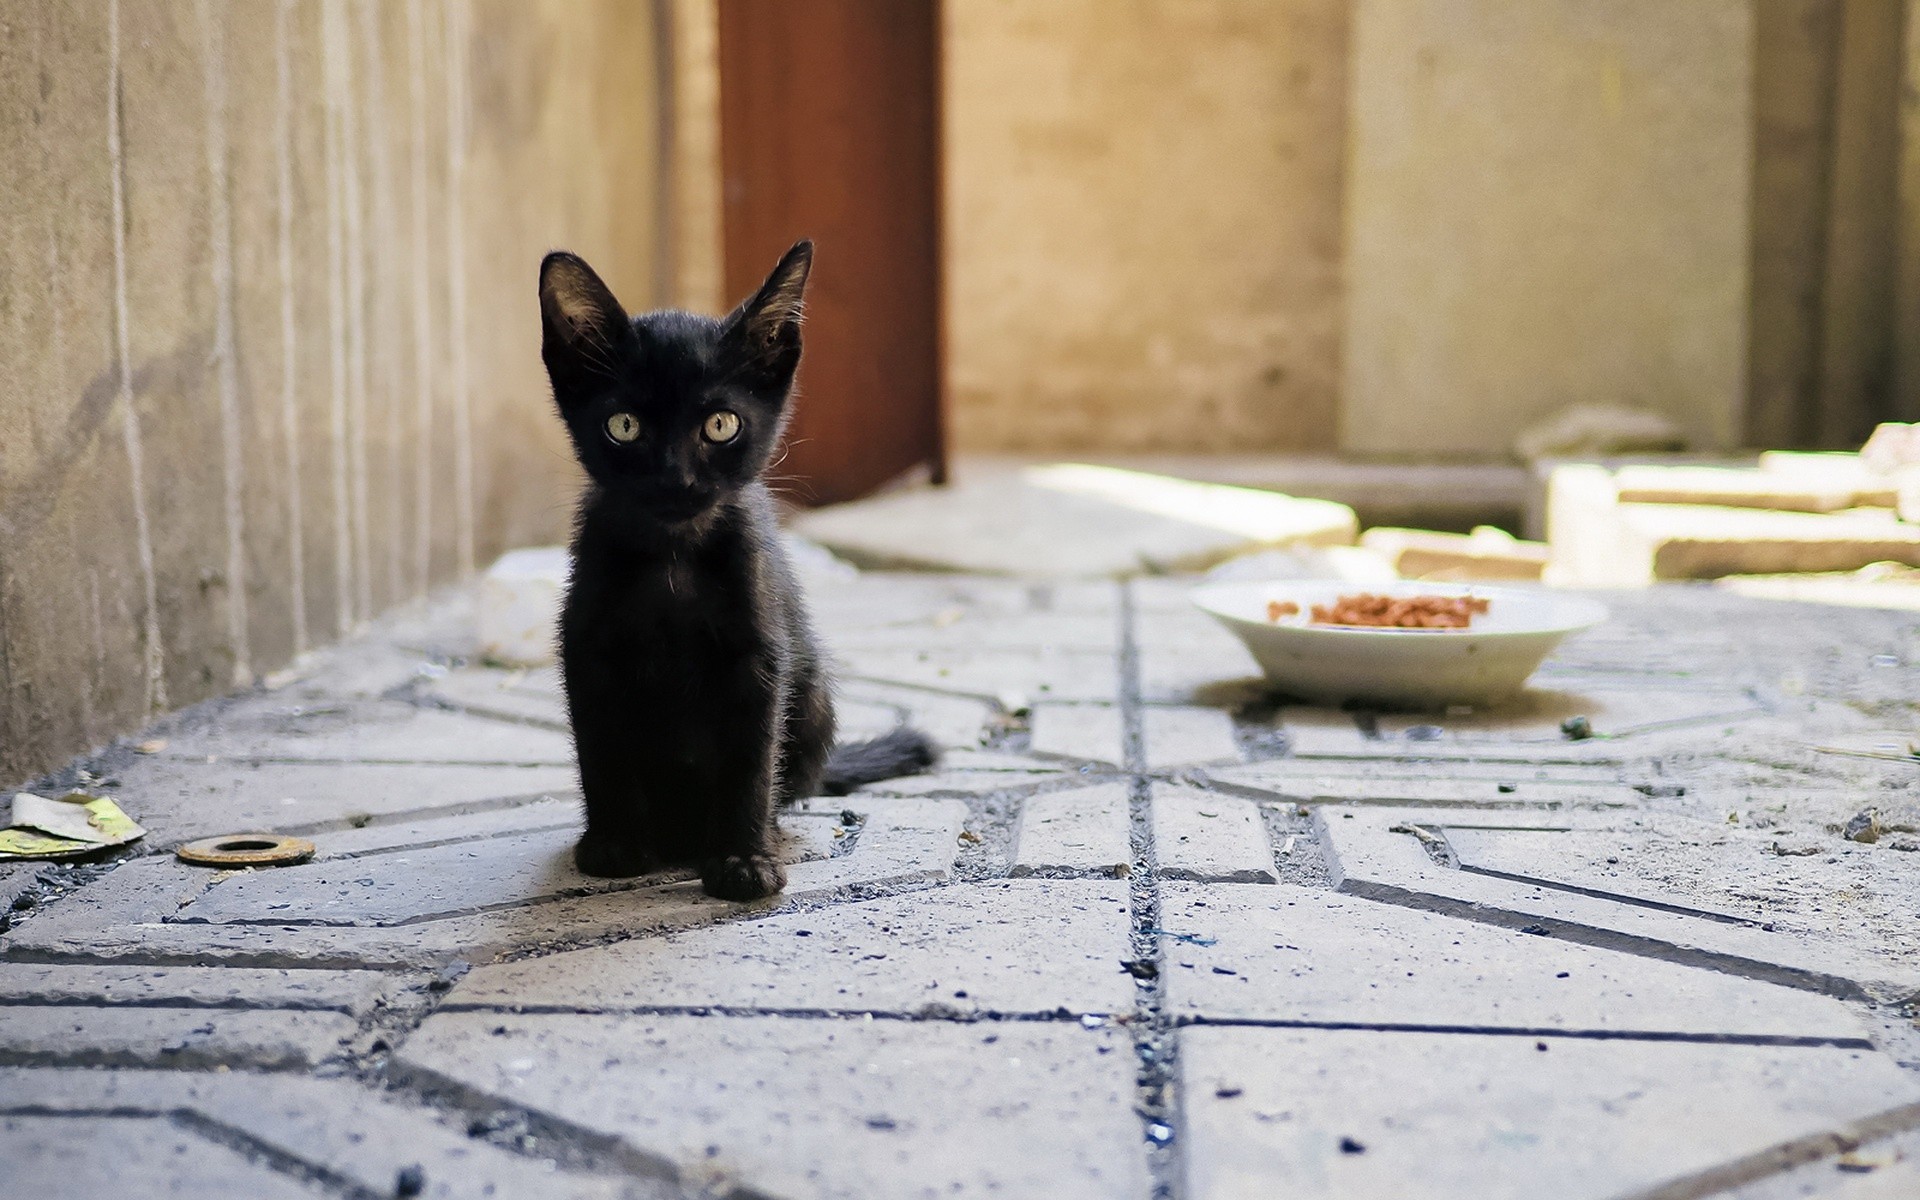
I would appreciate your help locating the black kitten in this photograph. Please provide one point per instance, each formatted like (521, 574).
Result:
(696, 690)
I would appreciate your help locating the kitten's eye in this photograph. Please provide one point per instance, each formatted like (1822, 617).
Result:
(721, 426)
(623, 427)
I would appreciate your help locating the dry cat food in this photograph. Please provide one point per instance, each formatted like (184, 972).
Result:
(1389, 612)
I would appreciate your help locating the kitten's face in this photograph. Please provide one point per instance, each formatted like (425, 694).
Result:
(671, 412)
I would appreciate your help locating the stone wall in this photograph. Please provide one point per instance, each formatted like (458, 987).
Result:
(1547, 206)
(1143, 223)
(268, 347)
(1402, 228)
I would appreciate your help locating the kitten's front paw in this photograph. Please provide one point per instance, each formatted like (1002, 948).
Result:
(742, 876)
(603, 857)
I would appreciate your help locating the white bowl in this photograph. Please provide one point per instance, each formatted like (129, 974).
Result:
(1402, 667)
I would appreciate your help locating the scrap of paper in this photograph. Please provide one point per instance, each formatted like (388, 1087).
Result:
(71, 826)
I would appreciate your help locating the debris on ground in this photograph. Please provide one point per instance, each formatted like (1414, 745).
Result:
(411, 1181)
(1864, 826)
(73, 826)
(1577, 728)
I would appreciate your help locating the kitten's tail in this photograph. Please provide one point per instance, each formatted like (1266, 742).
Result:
(904, 751)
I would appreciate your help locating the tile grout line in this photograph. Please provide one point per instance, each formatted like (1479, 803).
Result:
(1152, 1033)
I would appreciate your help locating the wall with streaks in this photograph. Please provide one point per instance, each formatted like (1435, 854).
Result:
(269, 357)
(1143, 223)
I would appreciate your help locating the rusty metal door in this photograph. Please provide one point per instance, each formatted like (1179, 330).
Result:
(830, 129)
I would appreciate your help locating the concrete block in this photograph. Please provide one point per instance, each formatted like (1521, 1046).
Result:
(1209, 837)
(1355, 565)
(932, 600)
(1221, 674)
(982, 759)
(1286, 780)
(1664, 716)
(1785, 874)
(1586, 544)
(370, 1140)
(167, 1158)
(1880, 585)
(1423, 495)
(816, 1108)
(1079, 732)
(857, 720)
(1679, 542)
(1658, 715)
(79, 1036)
(1314, 731)
(363, 1136)
(1294, 955)
(1071, 521)
(1598, 541)
(964, 783)
(532, 696)
(405, 886)
(178, 801)
(1185, 656)
(517, 608)
(986, 673)
(1788, 489)
(454, 877)
(1486, 554)
(370, 731)
(1892, 447)
(135, 911)
(1086, 829)
(971, 949)
(1447, 1116)
(1264, 518)
(353, 992)
(1377, 853)
(815, 566)
(1873, 485)
(1884, 1168)
(955, 722)
(966, 627)
(1176, 736)
(1535, 717)
(538, 814)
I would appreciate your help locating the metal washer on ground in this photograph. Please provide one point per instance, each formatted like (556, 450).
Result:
(246, 850)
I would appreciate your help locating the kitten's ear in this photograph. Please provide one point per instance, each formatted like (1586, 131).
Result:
(585, 331)
(766, 327)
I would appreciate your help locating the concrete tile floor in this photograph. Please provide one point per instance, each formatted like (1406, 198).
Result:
(1146, 932)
